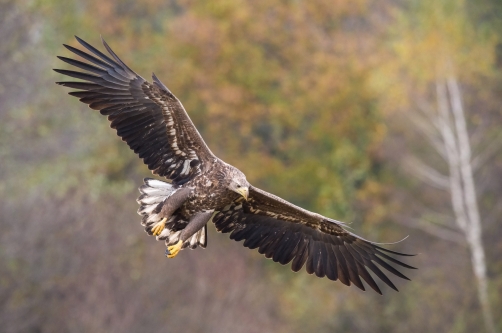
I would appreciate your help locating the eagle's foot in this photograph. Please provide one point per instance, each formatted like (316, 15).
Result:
(173, 250)
(159, 226)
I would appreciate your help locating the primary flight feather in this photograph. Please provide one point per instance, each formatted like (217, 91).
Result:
(153, 122)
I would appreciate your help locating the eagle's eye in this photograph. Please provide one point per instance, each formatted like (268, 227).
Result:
(238, 186)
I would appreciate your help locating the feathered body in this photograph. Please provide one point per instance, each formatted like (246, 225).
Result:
(211, 188)
(199, 186)
(209, 193)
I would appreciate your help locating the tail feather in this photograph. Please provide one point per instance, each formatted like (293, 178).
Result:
(153, 195)
(200, 238)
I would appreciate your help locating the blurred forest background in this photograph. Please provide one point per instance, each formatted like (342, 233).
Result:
(386, 114)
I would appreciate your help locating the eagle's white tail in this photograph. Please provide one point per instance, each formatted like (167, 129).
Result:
(153, 195)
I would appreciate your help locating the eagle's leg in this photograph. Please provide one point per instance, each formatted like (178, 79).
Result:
(170, 205)
(195, 224)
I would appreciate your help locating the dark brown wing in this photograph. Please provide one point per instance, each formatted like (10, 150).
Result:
(148, 117)
(284, 232)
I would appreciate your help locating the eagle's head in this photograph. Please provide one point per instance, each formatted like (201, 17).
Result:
(238, 183)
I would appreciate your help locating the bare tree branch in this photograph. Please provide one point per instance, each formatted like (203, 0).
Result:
(429, 112)
(492, 148)
(426, 173)
(494, 215)
(437, 231)
(428, 132)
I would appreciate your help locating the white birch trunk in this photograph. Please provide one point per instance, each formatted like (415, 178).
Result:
(455, 147)
(473, 234)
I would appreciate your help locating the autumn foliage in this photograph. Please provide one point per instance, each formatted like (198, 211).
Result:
(310, 99)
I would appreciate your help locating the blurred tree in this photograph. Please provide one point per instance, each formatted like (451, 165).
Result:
(436, 47)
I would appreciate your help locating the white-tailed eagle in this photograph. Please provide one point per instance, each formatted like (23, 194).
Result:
(153, 122)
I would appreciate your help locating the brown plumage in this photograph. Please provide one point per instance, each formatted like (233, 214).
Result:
(153, 122)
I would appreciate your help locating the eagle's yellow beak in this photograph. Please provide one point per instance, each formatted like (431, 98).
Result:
(244, 191)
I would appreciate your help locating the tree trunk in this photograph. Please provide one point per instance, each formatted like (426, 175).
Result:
(454, 146)
(473, 232)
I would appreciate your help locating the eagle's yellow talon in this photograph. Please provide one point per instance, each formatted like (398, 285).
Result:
(174, 249)
(159, 226)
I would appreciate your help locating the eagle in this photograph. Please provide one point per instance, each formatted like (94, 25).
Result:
(200, 187)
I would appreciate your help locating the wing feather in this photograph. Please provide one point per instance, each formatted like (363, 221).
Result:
(331, 271)
(321, 259)
(148, 117)
(287, 233)
(302, 255)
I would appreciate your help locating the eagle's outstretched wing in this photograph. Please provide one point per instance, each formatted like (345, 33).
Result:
(148, 117)
(285, 233)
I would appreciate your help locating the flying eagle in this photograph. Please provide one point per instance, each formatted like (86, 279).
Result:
(200, 186)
